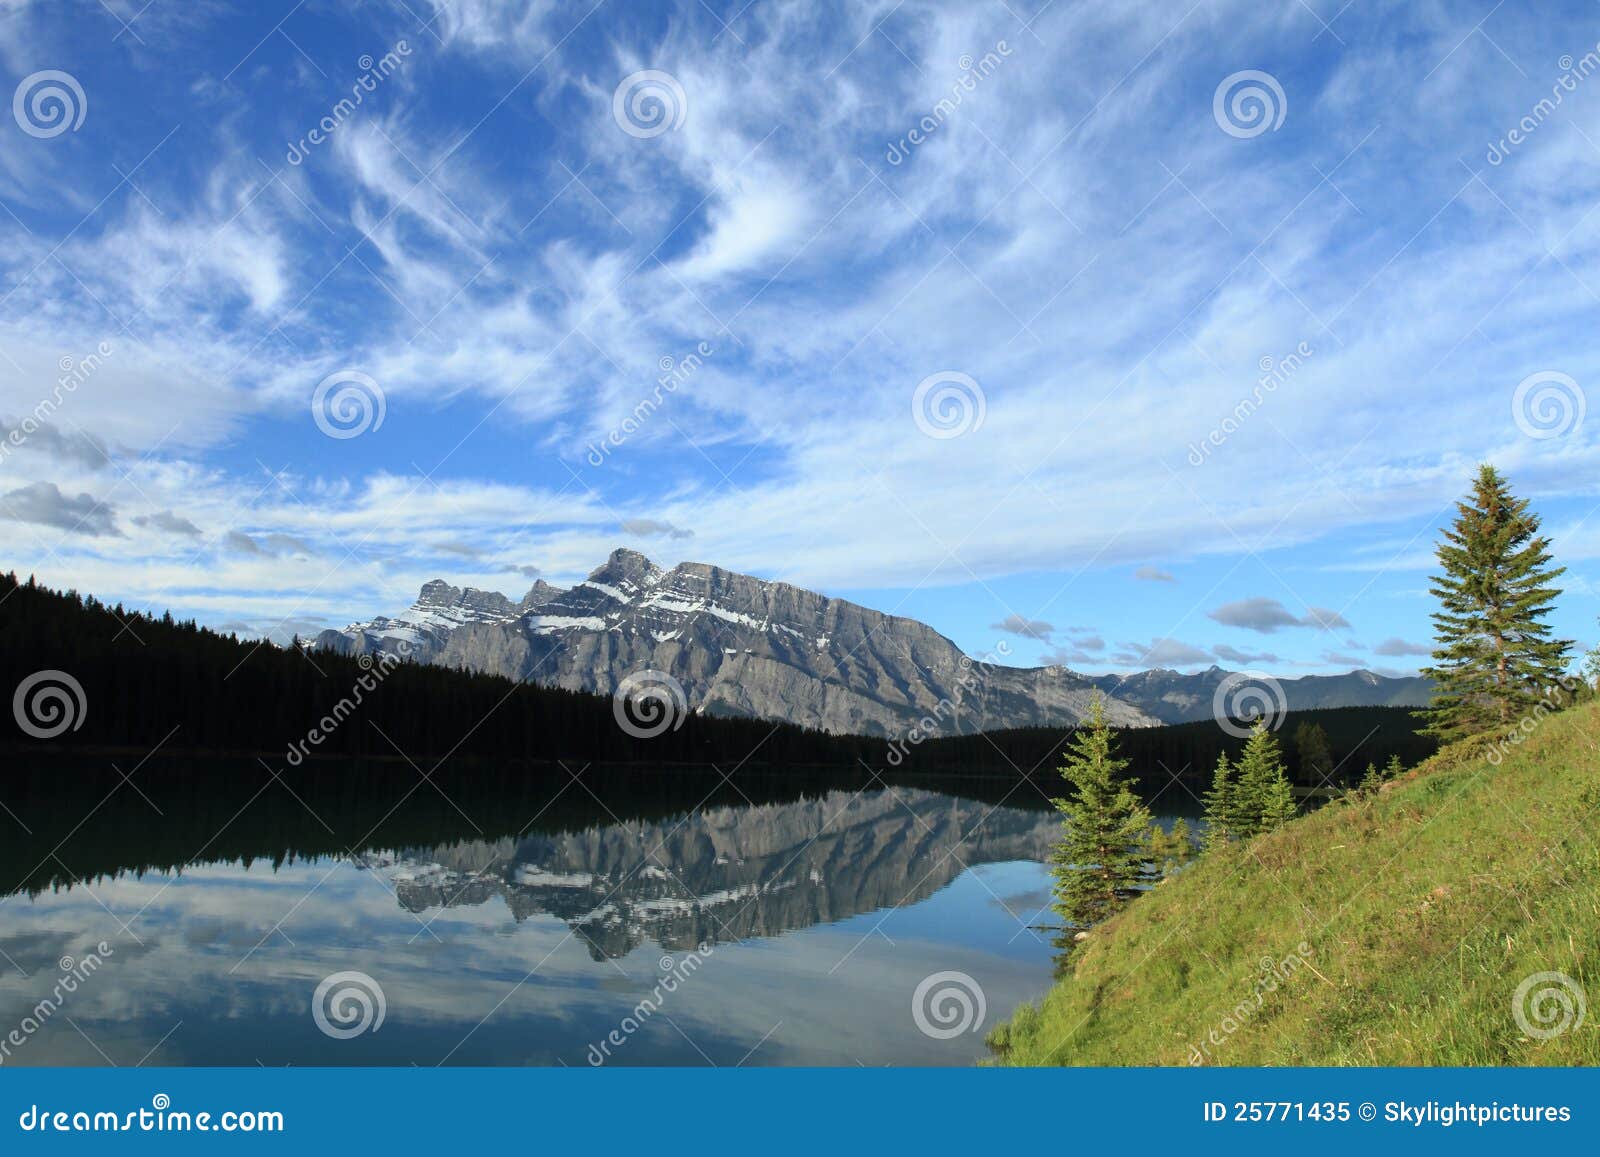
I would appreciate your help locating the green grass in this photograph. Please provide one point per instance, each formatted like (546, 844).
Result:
(1423, 908)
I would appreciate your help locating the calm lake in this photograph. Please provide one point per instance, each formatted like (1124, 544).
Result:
(641, 918)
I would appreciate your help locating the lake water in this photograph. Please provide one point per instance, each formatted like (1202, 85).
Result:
(646, 918)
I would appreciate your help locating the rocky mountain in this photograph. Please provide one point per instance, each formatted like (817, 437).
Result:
(1173, 697)
(737, 645)
(725, 874)
(440, 610)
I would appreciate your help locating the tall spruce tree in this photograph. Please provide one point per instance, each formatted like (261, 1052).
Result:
(1495, 658)
(1103, 859)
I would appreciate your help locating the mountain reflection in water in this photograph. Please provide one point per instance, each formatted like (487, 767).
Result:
(513, 918)
(731, 873)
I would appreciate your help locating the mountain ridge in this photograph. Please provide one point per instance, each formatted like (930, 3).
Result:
(1174, 697)
(740, 645)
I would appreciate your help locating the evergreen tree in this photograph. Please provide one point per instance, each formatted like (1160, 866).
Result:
(1264, 798)
(1370, 782)
(1495, 658)
(1221, 805)
(1394, 768)
(1278, 805)
(1103, 859)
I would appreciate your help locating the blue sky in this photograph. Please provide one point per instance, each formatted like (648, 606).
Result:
(1087, 241)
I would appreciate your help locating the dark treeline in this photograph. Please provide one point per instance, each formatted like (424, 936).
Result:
(146, 680)
(1355, 736)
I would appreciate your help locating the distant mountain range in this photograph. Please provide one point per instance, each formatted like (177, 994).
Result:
(739, 645)
(1174, 697)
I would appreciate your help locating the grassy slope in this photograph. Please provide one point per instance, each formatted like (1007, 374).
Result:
(1423, 908)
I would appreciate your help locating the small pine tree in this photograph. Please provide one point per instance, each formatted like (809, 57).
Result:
(1278, 804)
(1394, 768)
(1221, 805)
(1495, 657)
(1370, 782)
(1265, 799)
(1103, 860)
